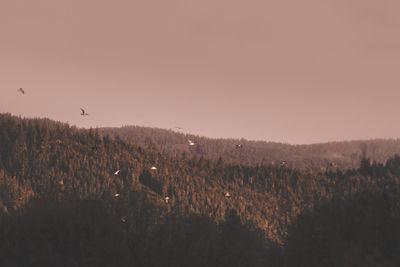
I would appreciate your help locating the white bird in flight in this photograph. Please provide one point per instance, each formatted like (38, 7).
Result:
(117, 195)
(21, 90)
(191, 143)
(153, 168)
(83, 112)
(117, 172)
(227, 194)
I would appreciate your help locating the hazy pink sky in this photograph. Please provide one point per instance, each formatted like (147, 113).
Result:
(289, 71)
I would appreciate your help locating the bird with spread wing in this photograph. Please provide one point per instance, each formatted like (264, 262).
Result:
(84, 112)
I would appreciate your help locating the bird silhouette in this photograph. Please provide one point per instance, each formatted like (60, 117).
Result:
(21, 90)
(83, 112)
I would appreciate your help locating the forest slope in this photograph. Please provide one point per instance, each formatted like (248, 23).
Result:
(42, 157)
(42, 160)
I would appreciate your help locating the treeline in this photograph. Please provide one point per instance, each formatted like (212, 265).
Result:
(362, 230)
(311, 158)
(53, 175)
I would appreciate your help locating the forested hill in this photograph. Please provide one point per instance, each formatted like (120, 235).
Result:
(70, 195)
(314, 158)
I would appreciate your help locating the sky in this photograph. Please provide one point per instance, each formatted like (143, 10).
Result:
(288, 71)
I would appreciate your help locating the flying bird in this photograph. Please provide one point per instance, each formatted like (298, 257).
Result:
(21, 90)
(227, 195)
(116, 195)
(191, 143)
(83, 112)
(153, 168)
(166, 199)
(117, 172)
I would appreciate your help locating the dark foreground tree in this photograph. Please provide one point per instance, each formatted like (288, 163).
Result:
(363, 230)
(90, 233)
(78, 233)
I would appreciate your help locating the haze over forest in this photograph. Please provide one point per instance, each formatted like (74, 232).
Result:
(293, 72)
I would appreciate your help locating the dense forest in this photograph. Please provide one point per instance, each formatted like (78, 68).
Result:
(73, 197)
(311, 158)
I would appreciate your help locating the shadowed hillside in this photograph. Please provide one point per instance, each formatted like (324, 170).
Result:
(362, 230)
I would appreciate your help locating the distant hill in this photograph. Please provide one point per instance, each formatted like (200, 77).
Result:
(315, 158)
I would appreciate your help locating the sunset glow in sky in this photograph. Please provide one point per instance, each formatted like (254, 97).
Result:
(287, 71)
